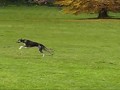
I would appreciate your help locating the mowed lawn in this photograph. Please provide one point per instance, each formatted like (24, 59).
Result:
(86, 51)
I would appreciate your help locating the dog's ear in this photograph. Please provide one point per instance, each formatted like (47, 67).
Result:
(18, 40)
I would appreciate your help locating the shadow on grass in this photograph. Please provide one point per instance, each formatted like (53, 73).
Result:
(90, 19)
(111, 17)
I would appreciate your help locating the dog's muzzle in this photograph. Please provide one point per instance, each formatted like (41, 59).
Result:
(18, 42)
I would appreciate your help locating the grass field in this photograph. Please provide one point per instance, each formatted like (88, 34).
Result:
(86, 51)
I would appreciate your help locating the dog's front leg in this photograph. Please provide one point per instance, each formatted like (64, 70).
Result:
(21, 47)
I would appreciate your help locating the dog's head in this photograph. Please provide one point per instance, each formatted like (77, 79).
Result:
(21, 40)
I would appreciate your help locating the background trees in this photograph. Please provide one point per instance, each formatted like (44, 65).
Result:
(44, 2)
(12, 2)
(102, 7)
(26, 2)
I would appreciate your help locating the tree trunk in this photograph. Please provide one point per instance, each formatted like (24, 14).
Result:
(103, 13)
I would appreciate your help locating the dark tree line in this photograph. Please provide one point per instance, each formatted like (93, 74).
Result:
(26, 2)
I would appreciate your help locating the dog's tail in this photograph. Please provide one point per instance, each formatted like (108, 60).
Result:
(49, 50)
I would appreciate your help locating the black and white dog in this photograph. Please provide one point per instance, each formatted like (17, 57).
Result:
(29, 43)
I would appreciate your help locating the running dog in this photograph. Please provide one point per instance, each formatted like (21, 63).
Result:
(29, 43)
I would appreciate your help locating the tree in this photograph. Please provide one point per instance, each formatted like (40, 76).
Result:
(3, 2)
(102, 7)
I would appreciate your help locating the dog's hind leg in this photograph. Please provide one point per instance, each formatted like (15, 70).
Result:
(40, 49)
(42, 52)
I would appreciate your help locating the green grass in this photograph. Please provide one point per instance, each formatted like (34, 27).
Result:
(86, 51)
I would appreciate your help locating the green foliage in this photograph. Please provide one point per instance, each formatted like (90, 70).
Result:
(86, 51)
